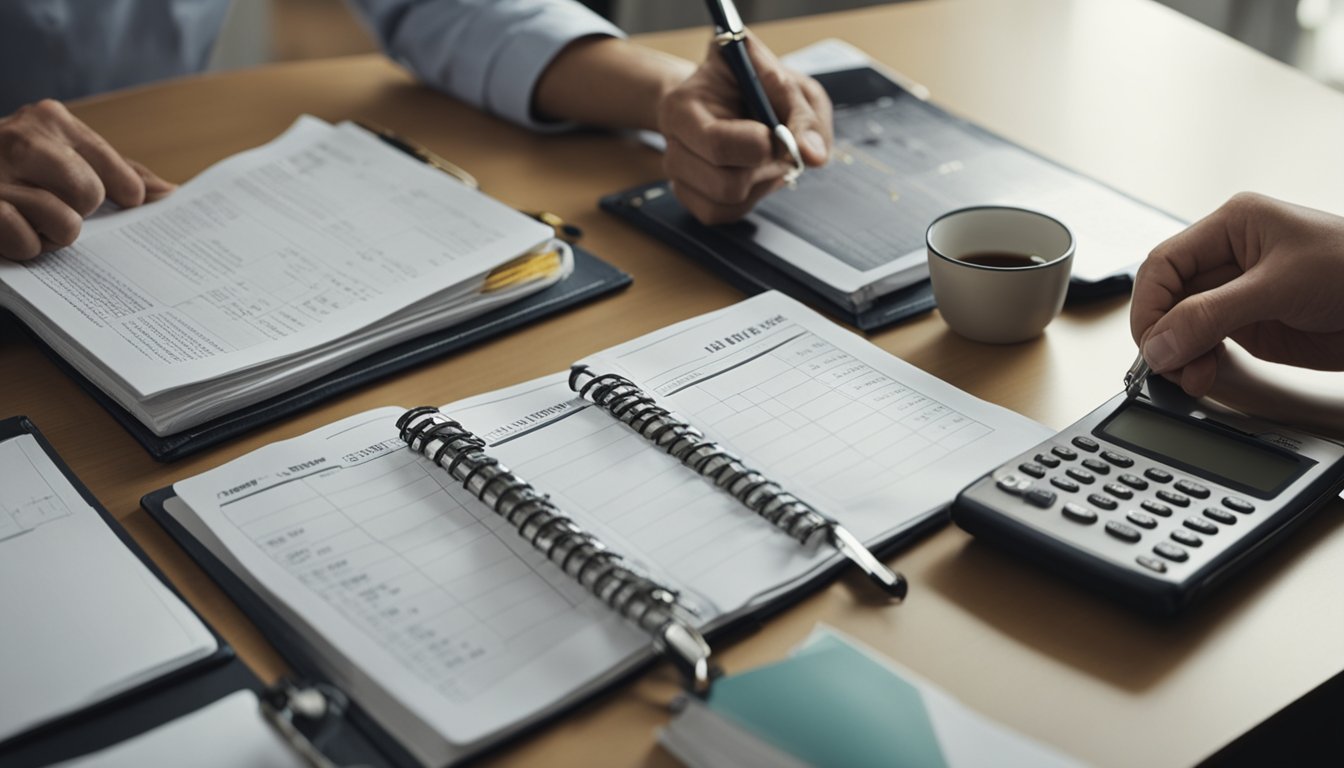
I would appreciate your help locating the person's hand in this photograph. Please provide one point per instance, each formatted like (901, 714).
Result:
(722, 163)
(1264, 273)
(54, 171)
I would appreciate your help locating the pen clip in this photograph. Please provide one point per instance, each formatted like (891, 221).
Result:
(786, 138)
(1135, 377)
(892, 583)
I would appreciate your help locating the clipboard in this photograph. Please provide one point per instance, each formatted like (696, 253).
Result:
(591, 278)
(903, 179)
(138, 709)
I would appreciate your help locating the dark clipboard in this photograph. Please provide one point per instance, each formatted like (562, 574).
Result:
(360, 734)
(731, 251)
(140, 708)
(591, 278)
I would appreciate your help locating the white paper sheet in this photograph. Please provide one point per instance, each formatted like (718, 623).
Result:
(296, 243)
(81, 618)
(226, 734)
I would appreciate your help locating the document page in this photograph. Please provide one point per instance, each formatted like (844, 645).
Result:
(297, 243)
(81, 618)
(863, 436)
(430, 607)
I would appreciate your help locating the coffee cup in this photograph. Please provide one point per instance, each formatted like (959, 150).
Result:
(999, 273)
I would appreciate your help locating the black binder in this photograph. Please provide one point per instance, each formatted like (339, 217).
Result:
(732, 252)
(138, 709)
(360, 732)
(591, 278)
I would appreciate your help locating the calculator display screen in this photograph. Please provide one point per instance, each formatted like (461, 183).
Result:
(1202, 448)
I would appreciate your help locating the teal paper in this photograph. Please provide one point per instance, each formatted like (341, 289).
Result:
(831, 705)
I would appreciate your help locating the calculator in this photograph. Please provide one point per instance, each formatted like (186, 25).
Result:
(1155, 499)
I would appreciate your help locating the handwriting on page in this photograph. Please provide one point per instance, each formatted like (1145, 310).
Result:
(447, 588)
(851, 429)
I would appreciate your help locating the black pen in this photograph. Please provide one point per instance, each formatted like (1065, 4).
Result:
(732, 40)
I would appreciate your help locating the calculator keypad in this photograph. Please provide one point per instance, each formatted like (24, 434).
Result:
(1137, 505)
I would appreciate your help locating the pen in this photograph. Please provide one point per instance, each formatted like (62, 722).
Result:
(732, 40)
(1137, 374)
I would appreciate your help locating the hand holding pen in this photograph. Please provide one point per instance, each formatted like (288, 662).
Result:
(721, 155)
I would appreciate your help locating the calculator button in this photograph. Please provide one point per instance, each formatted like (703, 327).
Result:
(1100, 467)
(1173, 498)
(1040, 497)
(1013, 484)
(1067, 454)
(1151, 563)
(1119, 491)
(1079, 514)
(1064, 484)
(1086, 443)
(1035, 470)
(1134, 481)
(1118, 459)
(1220, 515)
(1171, 552)
(1238, 505)
(1081, 475)
(1141, 520)
(1192, 489)
(1122, 532)
(1185, 537)
(1201, 525)
(1105, 502)
(1157, 475)
(1047, 460)
(1156, 507)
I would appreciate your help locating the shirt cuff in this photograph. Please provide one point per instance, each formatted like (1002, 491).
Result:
(533, 43)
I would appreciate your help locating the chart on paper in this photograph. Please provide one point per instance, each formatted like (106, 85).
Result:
(446, 587)
(813, 412)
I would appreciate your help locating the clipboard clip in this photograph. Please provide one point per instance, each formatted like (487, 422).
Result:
(305, 716)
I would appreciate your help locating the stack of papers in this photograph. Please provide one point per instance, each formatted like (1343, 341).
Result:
(273, 268)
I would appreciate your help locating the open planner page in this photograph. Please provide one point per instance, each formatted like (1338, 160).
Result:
(276, 250)
(81, 618)
(863, 436)
(425, 606)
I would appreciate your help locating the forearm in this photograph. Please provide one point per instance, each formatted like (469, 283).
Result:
(607, 82)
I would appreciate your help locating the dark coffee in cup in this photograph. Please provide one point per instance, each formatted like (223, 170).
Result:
(1001, 259)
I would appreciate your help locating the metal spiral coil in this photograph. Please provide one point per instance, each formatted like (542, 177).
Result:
(650, 605)
(636, 408)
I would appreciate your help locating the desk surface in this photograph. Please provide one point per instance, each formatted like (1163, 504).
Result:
(1124, 90)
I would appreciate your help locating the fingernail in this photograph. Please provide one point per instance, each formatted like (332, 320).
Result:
(816, 143)
(1160, 351)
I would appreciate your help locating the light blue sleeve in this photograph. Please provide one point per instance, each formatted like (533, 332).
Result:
(488, 53)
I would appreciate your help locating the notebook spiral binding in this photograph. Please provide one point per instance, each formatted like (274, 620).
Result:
(648, 604)
(633, 406)
(630, 404)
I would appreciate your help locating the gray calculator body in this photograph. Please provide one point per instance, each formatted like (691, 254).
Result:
(1156, 499)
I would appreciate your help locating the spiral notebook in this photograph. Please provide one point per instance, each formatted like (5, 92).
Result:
(539, 543)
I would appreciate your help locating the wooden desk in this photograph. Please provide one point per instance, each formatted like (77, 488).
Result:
(1124, 90)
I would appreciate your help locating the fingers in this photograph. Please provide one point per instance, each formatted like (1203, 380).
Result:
(709, 211)
(123, 185)
(799, 102)
(715, 134)
(56, 223)
(1199, 322)
(156, 187)
(18, 241)
(720, 189)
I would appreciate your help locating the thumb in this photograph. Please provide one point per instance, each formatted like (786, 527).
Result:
(1198, 323)
(156, 187)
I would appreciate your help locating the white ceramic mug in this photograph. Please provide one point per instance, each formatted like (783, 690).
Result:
(998, 304)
